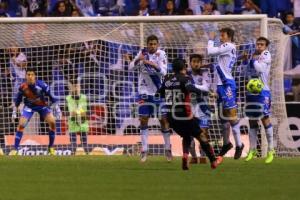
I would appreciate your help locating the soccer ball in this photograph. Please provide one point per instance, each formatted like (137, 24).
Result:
(255, 86)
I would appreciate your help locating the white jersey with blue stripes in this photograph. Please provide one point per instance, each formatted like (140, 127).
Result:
(150, 79)
(226, 55)
(262, 66)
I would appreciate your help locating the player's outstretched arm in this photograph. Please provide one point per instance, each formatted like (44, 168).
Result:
(134, 64)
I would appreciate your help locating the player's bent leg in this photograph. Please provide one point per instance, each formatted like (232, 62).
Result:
(51, 122)
(206, 147)
(269, 134)
(166, 135)
(24, 119)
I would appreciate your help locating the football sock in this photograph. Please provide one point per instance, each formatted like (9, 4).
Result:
(51, 138)
(269, 135)
(166, 134)
(237, 134)
(144, 137)
(18, 139)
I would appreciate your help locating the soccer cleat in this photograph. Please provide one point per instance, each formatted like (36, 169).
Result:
(219, 159)
(270, 156)
(169, 155)
(225, 149)
(185, 163)
(51, 151)
(143, 156)
(194, 160)
(13, 153)
(238, 152)
(214, 164)
(251, 154)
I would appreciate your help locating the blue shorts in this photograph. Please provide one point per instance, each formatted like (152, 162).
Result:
(151, 106)
(204, 122)
(227, 95)
(42, 110)
(260, 105)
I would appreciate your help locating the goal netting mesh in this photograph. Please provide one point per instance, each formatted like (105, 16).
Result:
(93, 57)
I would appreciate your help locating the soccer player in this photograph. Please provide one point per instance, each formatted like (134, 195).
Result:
(177, 90)
(260, 104)
(152, 65)
(201, 79)
(33, 93)
(77, 122)
(226, 90)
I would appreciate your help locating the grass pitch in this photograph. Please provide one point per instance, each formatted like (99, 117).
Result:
(125, 178)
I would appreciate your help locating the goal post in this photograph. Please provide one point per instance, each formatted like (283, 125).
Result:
(91, 55)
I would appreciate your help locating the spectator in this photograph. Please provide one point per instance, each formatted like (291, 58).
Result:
(30, 7)
(225, 5)
(179, 6)
(197, 6)
(76, 13)
(61, 9)
(144, 8)
(210, 9)
(170, 8)
(291, 27)
(3, 9)
(250, 8)
(86, 7)
(108, 7)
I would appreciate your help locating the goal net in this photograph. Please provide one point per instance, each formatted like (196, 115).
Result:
(90, 56)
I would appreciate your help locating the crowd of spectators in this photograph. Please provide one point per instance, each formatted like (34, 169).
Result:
(57, 8)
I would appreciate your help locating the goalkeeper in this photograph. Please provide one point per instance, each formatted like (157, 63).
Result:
(259, 67)
(33, 93)
(77, 122)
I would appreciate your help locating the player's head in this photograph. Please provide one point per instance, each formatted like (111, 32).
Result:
(226, 35)
(196, 61)
(152, 43)
(289, 17)
(179, 66)
(262, 44)
(30, 76)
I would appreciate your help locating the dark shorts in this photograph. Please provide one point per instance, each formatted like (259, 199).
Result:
(185, 127)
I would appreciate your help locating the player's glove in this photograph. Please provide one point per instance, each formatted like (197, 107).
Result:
(56, 111)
